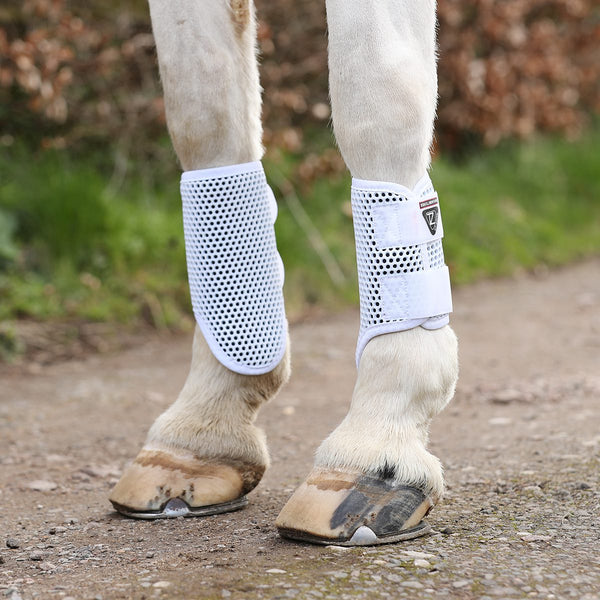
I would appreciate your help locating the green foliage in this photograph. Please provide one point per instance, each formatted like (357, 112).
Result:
(86, 250)
(520, 206)
(73, 246)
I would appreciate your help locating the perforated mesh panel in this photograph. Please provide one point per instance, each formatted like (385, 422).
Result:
(234, 270)
(377, 265)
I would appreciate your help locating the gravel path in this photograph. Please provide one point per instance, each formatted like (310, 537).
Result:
(520, 443)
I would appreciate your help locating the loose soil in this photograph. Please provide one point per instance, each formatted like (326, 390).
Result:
(520, 444)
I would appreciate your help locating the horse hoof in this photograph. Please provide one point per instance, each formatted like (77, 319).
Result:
(353, 509)
(167, 483)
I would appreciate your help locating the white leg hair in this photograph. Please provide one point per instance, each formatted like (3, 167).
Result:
(207, 60)
(383, 86)
(205, 448)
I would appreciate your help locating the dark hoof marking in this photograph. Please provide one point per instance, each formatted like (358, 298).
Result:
(383, 507)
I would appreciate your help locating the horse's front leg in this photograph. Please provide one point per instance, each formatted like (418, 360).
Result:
(374, 479)
(204, 453)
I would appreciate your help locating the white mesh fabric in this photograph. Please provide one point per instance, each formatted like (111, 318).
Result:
(235, 273)
(403, 281)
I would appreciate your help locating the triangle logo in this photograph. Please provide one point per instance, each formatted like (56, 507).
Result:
(431, 218)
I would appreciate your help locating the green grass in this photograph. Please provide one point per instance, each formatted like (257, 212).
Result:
(74, 246)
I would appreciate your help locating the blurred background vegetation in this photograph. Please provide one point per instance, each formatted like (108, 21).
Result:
(90, 221)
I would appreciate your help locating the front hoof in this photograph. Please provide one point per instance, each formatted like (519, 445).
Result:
(168, 483)
(353, 509)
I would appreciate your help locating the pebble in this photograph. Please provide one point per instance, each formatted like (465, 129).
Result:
(57, 529)
(422, 563)
(12, 543)
(149, 554)
(415, 554)
(461, 583)
(275, 571)
(506, 396)
(536, 490)
(47, 566)
(413, 584)
(161, 584)
(530, 537)
(36, 556)
(41, 485)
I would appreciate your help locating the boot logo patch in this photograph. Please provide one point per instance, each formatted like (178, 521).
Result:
(430, 214)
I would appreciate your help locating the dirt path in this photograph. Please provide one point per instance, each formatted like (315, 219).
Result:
(521, 446)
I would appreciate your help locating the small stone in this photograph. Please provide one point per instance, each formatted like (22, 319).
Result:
(1, 560)
(161, 585)
(506, 396)
(41, 485)
(461, 583)
(12, 543)
(535, 490)
(47, 566)
(422, 563)
(446, 530)
(338, 548)
(582, 486)
(412, 584)
(276, 571)
(57, 529)
(530, 537)
(36, 556)
(414, 554)
(500, 421)
(99, 472)
(149, 554)
(225, 593)
(337, 574)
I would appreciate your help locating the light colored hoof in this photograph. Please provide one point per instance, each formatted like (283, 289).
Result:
(166, 483)
(353, 509)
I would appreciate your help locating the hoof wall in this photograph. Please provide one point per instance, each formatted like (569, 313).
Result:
(164, 483)
(352, 509)
(179, 508)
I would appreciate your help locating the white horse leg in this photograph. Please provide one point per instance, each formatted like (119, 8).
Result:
(205, 450)
(373, 479)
